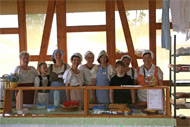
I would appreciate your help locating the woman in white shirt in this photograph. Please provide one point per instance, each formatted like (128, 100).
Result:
(56, 72)
(74, 77)
(26, 73)
(27, 76)
(89, 57)
(148, 68)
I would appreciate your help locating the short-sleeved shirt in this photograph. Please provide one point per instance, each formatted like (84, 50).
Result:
(72, 78)
(26, 76)
(124, 95)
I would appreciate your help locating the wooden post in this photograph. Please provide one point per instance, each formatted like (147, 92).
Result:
(47, 30)
(152, 28)
(127, 33)
(7, 107)
(86, 101)
(22, 25)
(110, 30)
(168, 107)
(61, 27)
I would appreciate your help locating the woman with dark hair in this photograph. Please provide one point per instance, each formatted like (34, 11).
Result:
(101, 76)
(56, 72)
(74, 77)
(126, 59)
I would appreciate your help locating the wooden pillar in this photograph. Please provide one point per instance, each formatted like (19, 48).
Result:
(152, 28)
(127, 33)
(110, 30)
(61, 27)
(22, 25)
(47, 30)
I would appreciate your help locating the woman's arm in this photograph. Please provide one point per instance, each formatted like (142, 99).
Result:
(68, 92)
(160, 77)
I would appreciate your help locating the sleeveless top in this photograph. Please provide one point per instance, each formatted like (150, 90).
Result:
(48, 79)
(54, 76)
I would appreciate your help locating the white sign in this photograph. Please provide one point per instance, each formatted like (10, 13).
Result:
(155, 99)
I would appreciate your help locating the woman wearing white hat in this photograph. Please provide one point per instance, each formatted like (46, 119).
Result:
(74, 77)
(148, 68)
(56, 72)
(89, 57)
(126, 59)
(101, 76)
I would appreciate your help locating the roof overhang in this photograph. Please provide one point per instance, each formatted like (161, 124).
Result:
(8, 7)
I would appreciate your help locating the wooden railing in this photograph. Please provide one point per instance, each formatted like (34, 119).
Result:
(7, 109)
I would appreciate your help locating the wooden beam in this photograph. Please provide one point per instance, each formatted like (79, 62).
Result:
(9, 31)
(36, 57)
(95, 28)
(127, 33)
(110, 30)
(47, 30)
(159, 26)
(61, 27)
(119, 55)
(152, 28)
(22, 25)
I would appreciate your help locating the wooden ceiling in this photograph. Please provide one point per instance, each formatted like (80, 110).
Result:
(40, 6)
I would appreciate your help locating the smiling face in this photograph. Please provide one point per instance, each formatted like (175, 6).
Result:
(120, 69)
(24, 60)
(90, 58)
(75, 61)
(147, 59)
(126, 61)
(58, 57)
(103, 59)
(43, 69)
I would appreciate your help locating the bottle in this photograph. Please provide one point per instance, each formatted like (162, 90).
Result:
(19, 100)
(56, 98)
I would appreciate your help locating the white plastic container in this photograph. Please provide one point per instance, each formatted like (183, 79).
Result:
(56, 98)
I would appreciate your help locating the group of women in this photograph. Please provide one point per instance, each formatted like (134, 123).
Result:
(89, 74)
